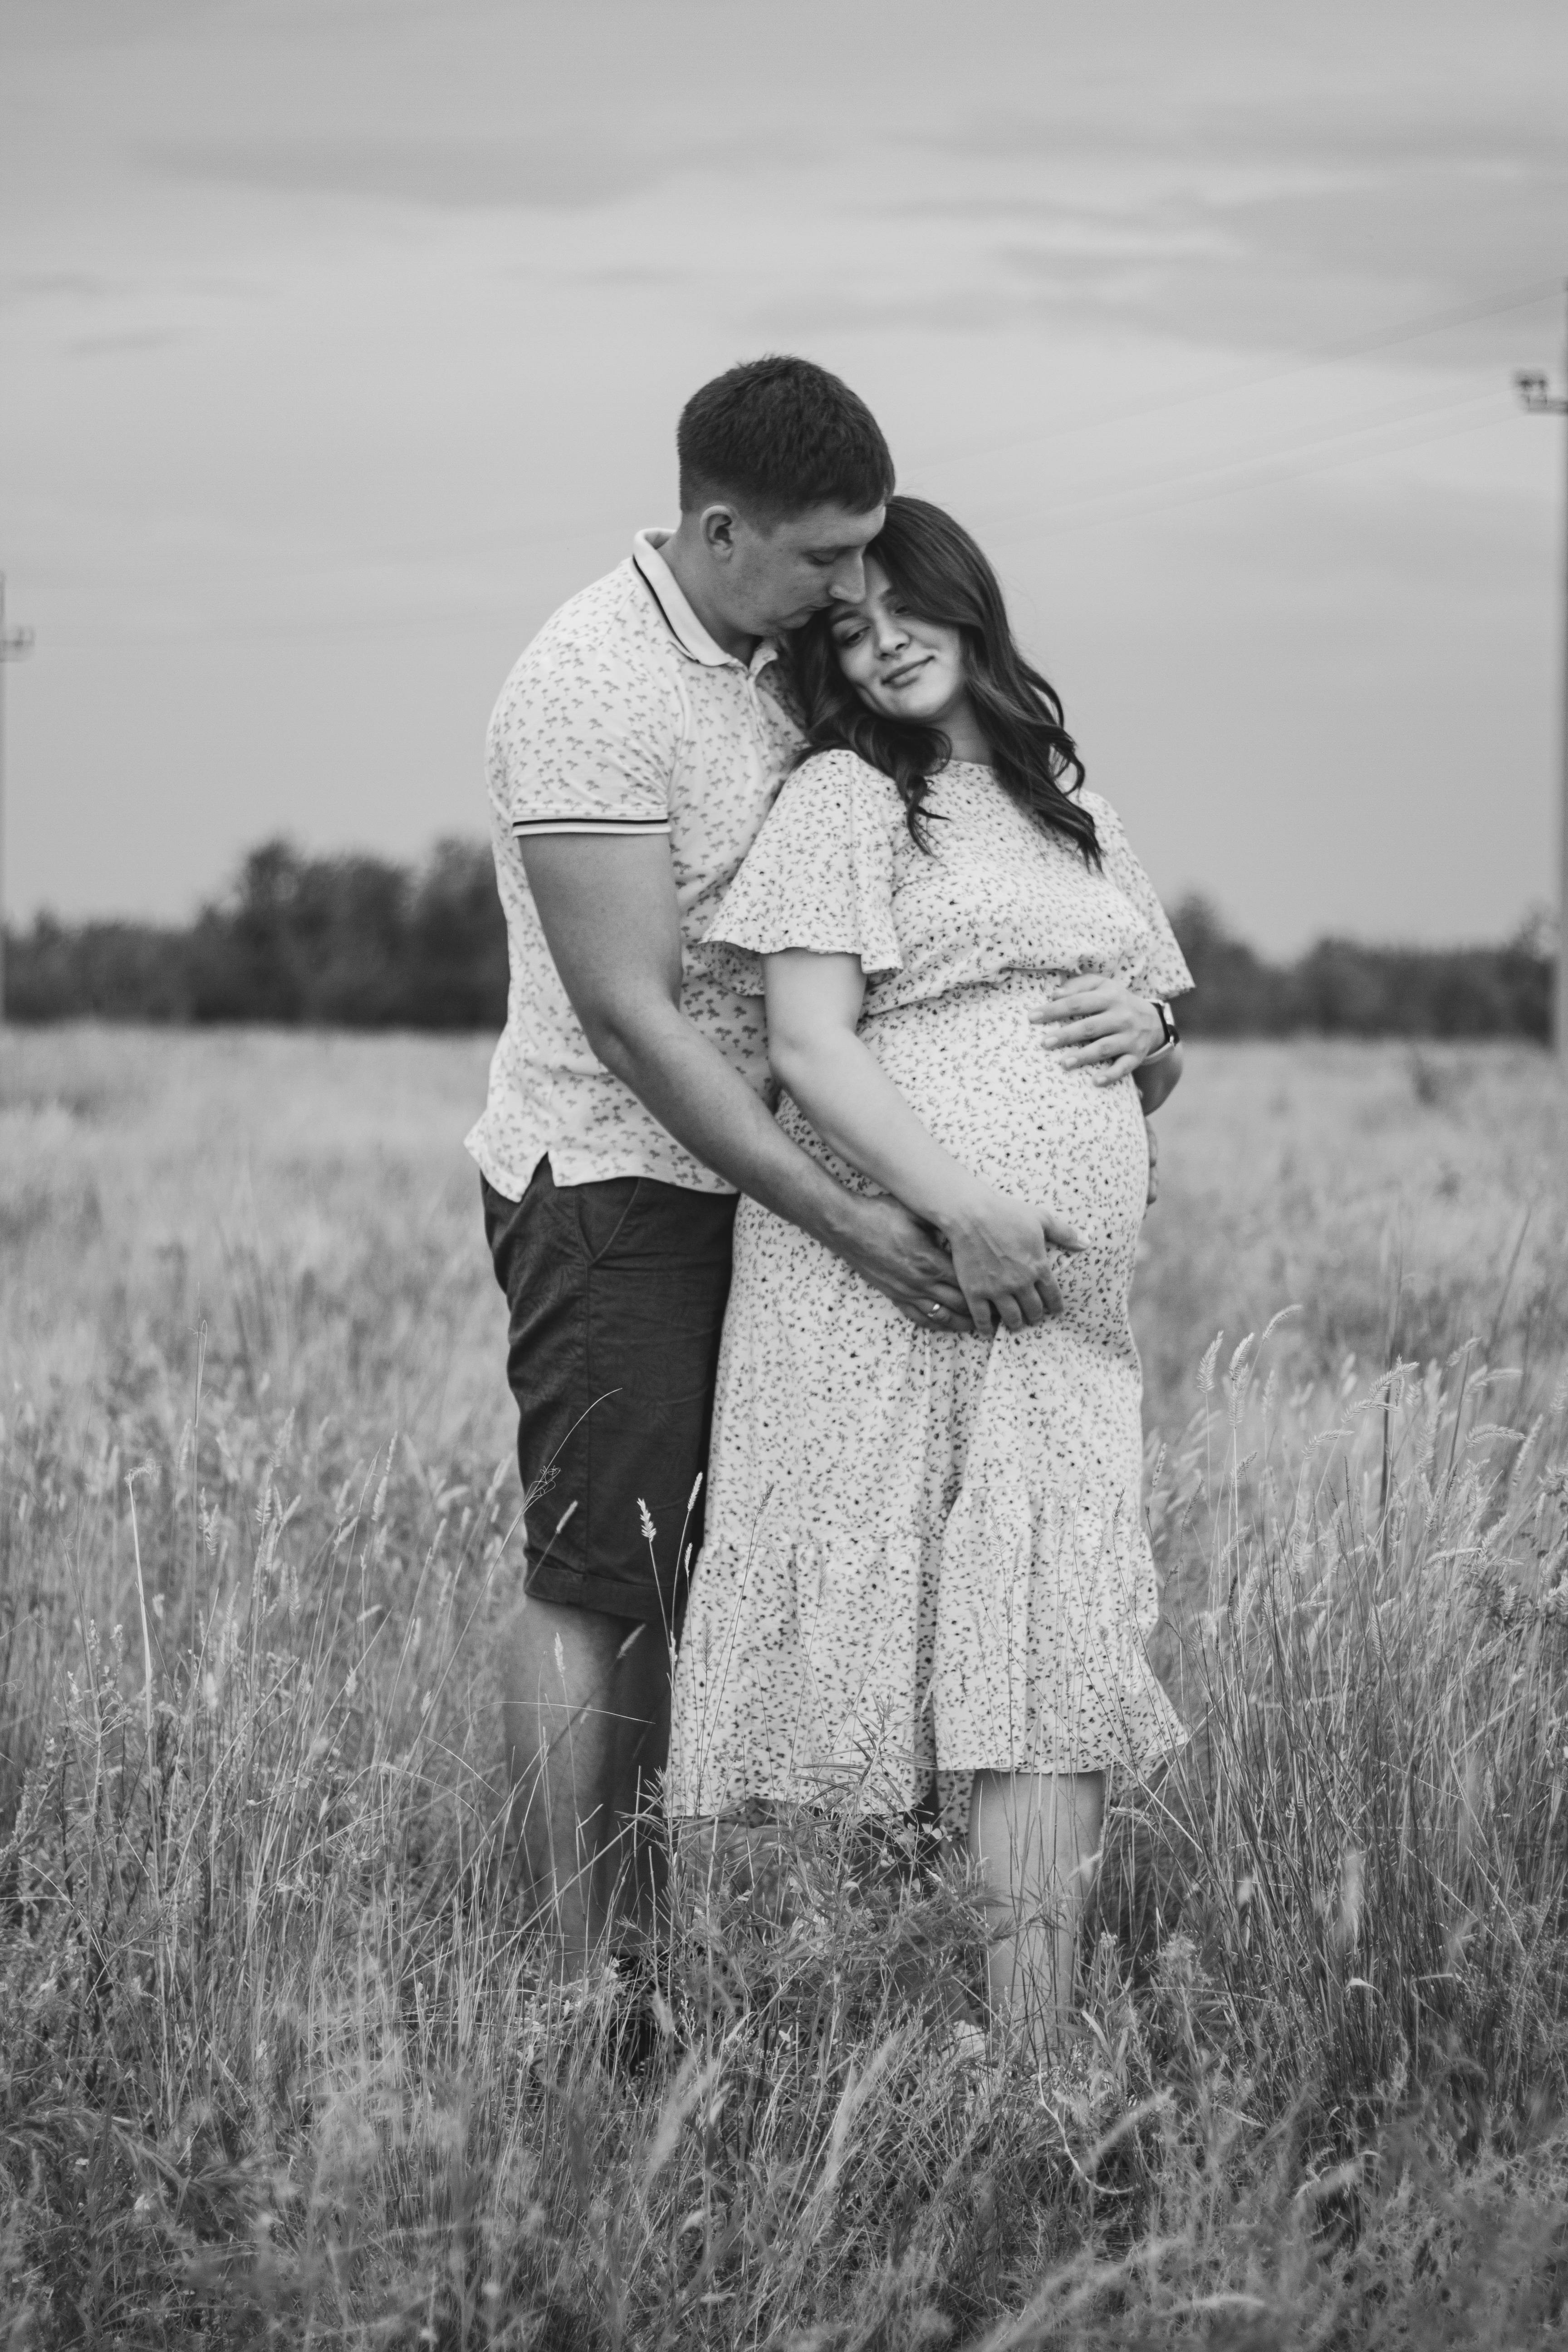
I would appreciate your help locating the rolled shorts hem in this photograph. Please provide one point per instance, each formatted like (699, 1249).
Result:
(611, 1596)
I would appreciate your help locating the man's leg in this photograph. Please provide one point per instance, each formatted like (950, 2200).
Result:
(585, 1709)
(617, 1291)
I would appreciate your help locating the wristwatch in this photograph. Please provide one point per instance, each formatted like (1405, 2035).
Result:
(1169, 1033)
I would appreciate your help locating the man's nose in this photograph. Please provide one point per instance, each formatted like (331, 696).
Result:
(848, 582)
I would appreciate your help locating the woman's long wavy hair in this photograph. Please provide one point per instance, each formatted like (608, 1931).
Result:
(936, 568)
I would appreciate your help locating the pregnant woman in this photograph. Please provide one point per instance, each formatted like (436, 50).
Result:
(925, 1560)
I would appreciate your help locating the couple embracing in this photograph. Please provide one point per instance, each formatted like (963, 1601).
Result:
(813, 1162)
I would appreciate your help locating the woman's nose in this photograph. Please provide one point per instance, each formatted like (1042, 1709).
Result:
(891, 636)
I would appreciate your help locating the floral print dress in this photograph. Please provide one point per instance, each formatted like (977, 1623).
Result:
(925, 1554)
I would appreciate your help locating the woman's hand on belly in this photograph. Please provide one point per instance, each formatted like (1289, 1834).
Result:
(1095, 1022)
(1002, 1257)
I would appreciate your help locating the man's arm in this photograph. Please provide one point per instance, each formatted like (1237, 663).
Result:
(612, 925)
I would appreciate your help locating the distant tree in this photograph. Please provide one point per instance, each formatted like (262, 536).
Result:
(104, 971)
(1236, 993)
(355, 943)
(1344, 988)
(242, 960)
(458, 937)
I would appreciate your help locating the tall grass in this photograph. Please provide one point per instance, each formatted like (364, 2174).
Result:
(280, 2060)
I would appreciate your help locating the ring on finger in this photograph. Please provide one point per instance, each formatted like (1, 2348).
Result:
(934, 1307)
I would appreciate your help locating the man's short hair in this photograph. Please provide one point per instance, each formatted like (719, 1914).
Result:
(778, 435)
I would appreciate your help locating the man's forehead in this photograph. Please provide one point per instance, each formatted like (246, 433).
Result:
(877, 587)
(832, 526)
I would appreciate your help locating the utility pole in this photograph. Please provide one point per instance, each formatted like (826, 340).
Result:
(13, 644)
(1536, 393)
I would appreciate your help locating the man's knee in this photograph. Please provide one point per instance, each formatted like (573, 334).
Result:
(563, 1674)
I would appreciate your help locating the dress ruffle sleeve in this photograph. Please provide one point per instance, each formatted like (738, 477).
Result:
(818, 876)
(1161, 969)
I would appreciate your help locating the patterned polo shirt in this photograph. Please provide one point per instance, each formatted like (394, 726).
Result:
(621, 717)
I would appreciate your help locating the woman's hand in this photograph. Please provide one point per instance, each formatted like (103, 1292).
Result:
(1096, 1021)
(1001, 1258)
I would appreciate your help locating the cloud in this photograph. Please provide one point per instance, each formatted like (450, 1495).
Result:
(21, 286)
(433, 276)
(144, 339)
(461, 173)
(589, 164)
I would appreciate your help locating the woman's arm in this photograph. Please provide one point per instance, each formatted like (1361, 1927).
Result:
(1156, 1080)
(1000, 1246)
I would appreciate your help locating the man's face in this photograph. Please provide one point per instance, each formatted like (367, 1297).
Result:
(775, 579)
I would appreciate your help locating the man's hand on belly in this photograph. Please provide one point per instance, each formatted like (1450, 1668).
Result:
(894, 1252)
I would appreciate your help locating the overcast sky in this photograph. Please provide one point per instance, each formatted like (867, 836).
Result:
(343, 339)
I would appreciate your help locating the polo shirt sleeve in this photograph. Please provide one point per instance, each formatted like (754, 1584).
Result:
(585, 740)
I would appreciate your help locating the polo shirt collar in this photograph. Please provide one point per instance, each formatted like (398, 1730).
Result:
(684, 626)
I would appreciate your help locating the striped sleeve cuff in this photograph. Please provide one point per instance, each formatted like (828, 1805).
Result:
(529, 828)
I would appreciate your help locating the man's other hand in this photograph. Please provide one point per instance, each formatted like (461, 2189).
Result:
(896, 1254)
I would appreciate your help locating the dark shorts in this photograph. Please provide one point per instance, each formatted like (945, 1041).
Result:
(616, 1294)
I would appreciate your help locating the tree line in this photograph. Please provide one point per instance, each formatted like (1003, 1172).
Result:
(358, 942)
(353, 942)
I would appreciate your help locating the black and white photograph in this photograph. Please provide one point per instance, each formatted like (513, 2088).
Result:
(784, 1176)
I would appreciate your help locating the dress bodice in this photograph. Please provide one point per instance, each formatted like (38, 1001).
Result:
(995, 900)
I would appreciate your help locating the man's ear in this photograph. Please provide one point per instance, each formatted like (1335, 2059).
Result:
(717, 528)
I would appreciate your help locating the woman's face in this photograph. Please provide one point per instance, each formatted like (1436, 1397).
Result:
(902, 665)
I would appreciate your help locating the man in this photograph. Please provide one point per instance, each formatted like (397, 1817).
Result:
(632, 756)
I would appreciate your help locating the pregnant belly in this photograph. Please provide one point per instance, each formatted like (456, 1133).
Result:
(987, 1086)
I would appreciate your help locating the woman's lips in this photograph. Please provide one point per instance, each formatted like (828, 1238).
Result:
(910, 670)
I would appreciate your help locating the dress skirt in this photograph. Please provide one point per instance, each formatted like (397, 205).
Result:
(925, 1553)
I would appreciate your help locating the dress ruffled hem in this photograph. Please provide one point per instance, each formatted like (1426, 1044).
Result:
(777, 1697)
(862, 1688)
(1042, 1667)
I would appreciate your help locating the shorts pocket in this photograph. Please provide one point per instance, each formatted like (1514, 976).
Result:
(603, 1209)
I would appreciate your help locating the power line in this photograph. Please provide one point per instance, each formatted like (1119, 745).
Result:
(1218, 387)
(1327, 355)
(1228, 482)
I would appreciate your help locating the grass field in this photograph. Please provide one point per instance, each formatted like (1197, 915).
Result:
(276, 2062)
